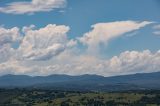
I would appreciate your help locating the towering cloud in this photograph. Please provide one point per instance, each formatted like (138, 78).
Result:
(104, 32)
(44, 43)
(49, 50)
(7, 38)
(33, 6)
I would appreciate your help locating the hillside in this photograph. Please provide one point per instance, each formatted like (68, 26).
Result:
(84, 82)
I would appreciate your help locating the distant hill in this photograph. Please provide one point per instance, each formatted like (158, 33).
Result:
(84, 82)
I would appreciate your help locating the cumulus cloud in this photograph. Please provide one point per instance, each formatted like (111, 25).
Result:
(34, 44)
(128, 62)
(7, 38)
(72, 43)
(48, 50)
(44, 43)
(6, 51)
(12, 67)
(32, 6)
(9, 35)
(104, 32)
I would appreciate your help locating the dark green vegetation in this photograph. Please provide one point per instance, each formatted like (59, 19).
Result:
(28, 97)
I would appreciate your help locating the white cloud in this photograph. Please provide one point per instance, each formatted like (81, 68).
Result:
(131, 62)
(72, 43)
(157, 28)
(48, 51)
(41, 44)
(44, 43)
(12, 67)
(157, 32)
(6, 51)
(33, 6)
(132, 34)
(25, 29)
(104, 32)
(128, 62)
(9, 35)
(7, 38)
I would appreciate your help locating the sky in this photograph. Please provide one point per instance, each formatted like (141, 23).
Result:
(75, 37)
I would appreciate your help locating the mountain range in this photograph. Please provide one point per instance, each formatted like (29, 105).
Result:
(83, 82)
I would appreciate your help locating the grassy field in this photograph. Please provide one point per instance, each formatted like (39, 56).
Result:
(23, 97)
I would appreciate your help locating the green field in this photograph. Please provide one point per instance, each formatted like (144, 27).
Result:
(23, 97)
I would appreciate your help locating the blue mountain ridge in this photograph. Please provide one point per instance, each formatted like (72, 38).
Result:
(83, 82)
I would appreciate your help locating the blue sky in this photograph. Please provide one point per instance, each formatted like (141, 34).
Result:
(80, 15)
